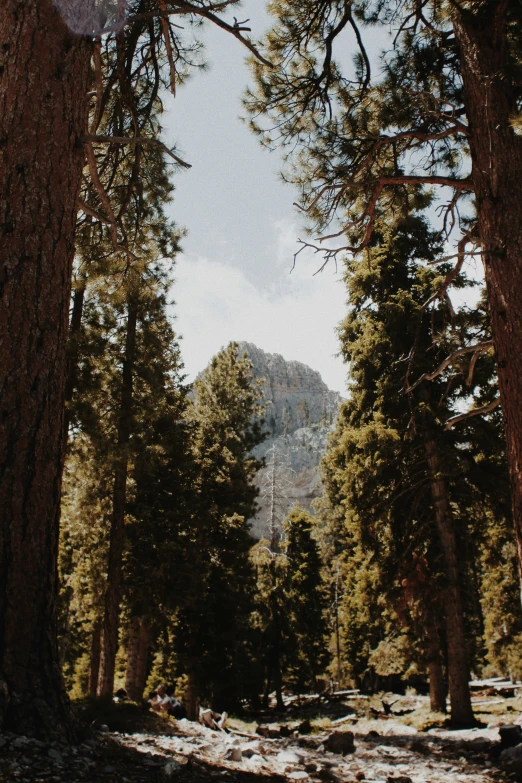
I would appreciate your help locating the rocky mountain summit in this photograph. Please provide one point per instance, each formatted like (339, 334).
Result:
(300, 413)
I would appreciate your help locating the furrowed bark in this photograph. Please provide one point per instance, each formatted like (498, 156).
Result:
(496, 153)
(44, 81)
(132, 656)
(458, 668)
(438, 690)
(109, 646)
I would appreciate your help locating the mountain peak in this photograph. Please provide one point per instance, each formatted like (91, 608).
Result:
(295, 395)
(299, 415)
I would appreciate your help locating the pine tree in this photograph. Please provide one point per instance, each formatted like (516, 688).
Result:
(212, 630)
(270, 618)
(391, 465)
(148, 458)
(42, 69)
(291, 601)
(306, 600)
(160, 507)
(364, 140)
(45, 83)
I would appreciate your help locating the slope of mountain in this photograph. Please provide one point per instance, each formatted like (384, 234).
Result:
(300, 412)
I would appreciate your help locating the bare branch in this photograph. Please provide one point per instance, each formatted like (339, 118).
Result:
(92, 212)
(168, 46)
(381, 182)
(471, 371)
(430, 376)
(473, 412)
(364, 53)
(135, 140)
(461, 254)
(189, 8)
(95, 178)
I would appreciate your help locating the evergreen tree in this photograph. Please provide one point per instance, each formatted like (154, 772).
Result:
(212, 628)
(291, 601)
(46, 83)
(306, 600)
(152, 412)
(363, 140)
(409, 488)
(270, 618)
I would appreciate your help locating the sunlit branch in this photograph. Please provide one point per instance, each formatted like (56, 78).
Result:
(473, 412)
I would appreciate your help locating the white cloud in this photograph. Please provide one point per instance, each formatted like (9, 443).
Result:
(295, 316)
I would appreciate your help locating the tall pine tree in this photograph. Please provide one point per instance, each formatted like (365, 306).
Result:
(409, 486)
(442, 111)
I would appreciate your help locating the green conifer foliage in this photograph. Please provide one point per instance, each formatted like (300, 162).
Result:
(291, 609)
(379, 473)
(270, 621)
(212, 630)
(151, 452)
(306, 601)
(440, 109)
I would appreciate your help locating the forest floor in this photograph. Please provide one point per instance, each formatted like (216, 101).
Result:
(343, 739)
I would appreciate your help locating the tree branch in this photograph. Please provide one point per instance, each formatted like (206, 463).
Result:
(92, 212)
(402, 179)
(430, 376)
(189, 8)
(460, 255)
(473, 412)
(135, 140)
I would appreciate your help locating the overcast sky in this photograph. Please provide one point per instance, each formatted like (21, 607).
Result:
(233, 280)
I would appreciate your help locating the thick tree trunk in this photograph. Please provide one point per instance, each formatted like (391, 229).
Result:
(458, 669)
(111, 617)
(496, 153)
(137, 657)
(94, 668)
(133, 644)
(44, 81)
(438, 690)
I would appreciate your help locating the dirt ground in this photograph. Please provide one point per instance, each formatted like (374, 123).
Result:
(342, 739)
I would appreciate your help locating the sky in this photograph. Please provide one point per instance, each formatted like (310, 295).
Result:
(234, 278)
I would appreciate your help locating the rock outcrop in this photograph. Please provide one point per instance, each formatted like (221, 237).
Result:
(300, 412)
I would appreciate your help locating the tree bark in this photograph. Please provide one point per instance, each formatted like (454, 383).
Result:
(72, 356)
(458, 669)
(137, 657)
(94, 668)
(192, 697)
(109, 647)
(438, 691)
(44, 81)
(277, 641)
(438, 688)
(496, 154)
